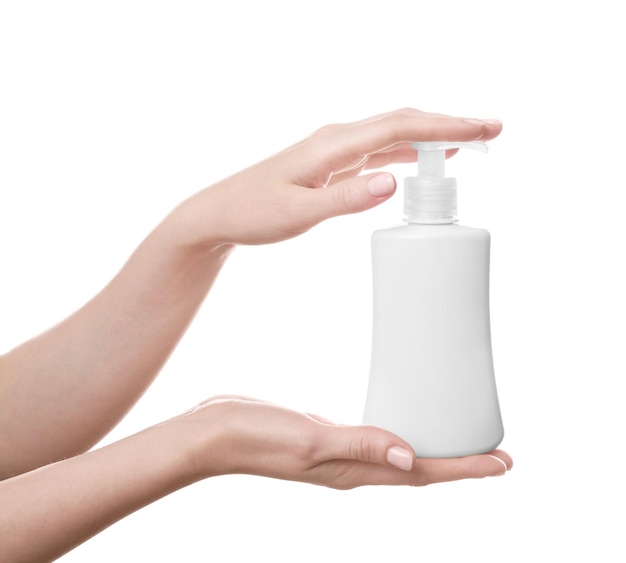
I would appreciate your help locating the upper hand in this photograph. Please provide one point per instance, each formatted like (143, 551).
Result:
(319, 177)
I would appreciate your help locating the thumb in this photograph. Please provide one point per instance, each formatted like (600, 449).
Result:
(373, 445)
(352, 195)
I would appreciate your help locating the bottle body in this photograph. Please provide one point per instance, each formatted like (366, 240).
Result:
(432, 379)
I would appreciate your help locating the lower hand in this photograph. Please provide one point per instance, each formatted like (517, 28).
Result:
(241, 435)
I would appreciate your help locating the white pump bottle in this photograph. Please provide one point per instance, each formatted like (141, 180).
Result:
(431, 378)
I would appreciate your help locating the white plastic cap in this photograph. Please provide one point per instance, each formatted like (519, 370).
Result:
(430, 197)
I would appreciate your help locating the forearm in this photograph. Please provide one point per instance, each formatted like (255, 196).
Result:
(49, 511)
(64, 390)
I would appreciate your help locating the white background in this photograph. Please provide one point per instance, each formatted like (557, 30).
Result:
(113, 112)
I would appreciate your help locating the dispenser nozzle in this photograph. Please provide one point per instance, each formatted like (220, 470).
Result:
(431, 155)
(430, 197)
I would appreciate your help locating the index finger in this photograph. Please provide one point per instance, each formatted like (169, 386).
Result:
(340, 146)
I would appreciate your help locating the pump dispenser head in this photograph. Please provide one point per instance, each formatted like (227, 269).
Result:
(430, 197)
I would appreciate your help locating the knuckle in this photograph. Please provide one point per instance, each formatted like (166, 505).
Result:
(342, 196)
(360, 448)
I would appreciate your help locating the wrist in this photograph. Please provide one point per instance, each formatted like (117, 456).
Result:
(195, 224)
(166, 454)
(202, 439)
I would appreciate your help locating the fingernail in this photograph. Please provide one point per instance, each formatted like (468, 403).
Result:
(492, 121)
(501, 471)
(381, 185)
(400, 457)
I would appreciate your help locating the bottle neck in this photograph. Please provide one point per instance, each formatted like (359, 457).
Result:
(430, 201)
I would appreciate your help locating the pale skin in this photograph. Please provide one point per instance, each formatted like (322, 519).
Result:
(64, 390)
